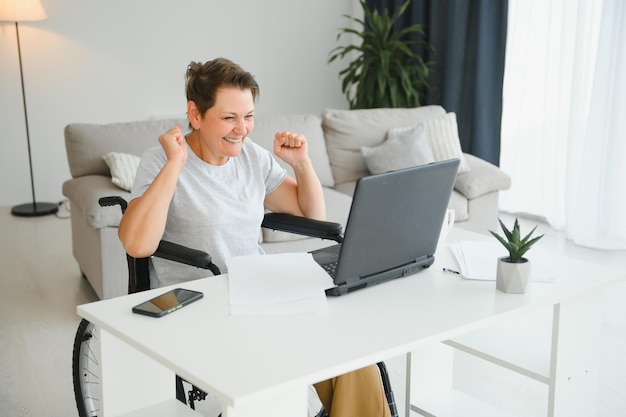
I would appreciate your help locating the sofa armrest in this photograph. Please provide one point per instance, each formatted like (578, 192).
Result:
(84, 194)
(482, 178)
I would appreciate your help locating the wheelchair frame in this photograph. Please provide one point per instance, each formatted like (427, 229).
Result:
(85, 354)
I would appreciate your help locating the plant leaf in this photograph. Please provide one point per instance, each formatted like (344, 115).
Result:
(516, 247)
(506, 231)
(386, 71)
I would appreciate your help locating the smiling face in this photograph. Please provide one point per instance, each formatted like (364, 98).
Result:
(219, 133)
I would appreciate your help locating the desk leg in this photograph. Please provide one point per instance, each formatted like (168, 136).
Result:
(407, 386)
(292, 402)
(574, 360)
(429, 373)
(130, 379)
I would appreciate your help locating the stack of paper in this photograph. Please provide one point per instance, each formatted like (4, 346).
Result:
(479, 260)
(286, 283)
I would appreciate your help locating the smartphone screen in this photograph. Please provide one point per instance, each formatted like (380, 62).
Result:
(168, 302)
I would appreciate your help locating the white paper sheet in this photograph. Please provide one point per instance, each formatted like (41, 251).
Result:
(310, 305)
(277, 284)
(478, 260)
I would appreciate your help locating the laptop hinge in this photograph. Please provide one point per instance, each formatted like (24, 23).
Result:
(424, 261)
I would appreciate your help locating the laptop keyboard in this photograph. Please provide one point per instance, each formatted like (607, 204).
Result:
(331, 269)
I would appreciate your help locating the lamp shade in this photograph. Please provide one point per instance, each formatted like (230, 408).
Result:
(21, 11)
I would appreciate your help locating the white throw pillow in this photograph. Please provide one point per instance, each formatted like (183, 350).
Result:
(443, 137)
(403, 149)
(123, 168)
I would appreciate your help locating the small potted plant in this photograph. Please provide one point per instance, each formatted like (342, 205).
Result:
(514, 270)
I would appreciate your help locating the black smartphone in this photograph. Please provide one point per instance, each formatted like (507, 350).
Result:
(167, 303)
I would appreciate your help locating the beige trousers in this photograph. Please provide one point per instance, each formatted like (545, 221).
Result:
(358, 393)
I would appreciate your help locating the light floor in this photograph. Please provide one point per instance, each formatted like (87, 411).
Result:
(40, 287)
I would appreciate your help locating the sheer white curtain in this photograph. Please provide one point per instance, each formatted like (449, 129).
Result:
(564, 117)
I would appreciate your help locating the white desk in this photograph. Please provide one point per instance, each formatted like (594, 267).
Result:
(251, 363)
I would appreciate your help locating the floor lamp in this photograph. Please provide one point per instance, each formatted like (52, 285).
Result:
(26, 11)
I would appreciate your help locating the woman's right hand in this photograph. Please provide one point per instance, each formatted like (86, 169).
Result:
(174, 144)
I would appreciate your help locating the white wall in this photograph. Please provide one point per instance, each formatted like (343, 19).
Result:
(119, 60)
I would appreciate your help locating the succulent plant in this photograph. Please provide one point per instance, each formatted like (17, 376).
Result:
(513, 242)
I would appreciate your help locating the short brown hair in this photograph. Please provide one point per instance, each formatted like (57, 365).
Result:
(203, 81)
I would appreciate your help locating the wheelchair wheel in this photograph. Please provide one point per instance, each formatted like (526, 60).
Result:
(86, 370)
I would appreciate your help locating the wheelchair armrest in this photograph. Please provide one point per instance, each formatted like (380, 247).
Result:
(166, 250)
(113, 200)
(184, 255)
(303, 226)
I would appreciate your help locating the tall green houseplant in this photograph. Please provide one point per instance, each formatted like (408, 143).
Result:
(386, 72)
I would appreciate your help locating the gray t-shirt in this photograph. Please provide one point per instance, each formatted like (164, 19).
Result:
(217, 209)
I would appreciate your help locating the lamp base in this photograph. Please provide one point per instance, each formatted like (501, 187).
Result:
(34, 209)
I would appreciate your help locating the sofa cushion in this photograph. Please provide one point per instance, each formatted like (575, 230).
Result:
(337, 210)
(86, 144)
(123, 168)
(265, 127)
(346, 131)
(402, 149)
(443, 138)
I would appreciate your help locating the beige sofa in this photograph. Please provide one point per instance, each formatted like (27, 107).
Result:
(335, 141)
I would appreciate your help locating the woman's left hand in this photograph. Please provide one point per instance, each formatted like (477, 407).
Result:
(291, 147)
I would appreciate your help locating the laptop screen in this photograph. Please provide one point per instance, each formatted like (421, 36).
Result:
(395, 219)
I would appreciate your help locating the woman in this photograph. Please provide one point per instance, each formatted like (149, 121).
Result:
(208, 190)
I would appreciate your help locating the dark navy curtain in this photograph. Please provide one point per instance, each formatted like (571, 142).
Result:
(469, 37)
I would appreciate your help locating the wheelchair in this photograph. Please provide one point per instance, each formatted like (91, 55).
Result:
(85, 355)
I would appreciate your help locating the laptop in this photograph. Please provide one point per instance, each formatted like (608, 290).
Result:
(393, 226)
